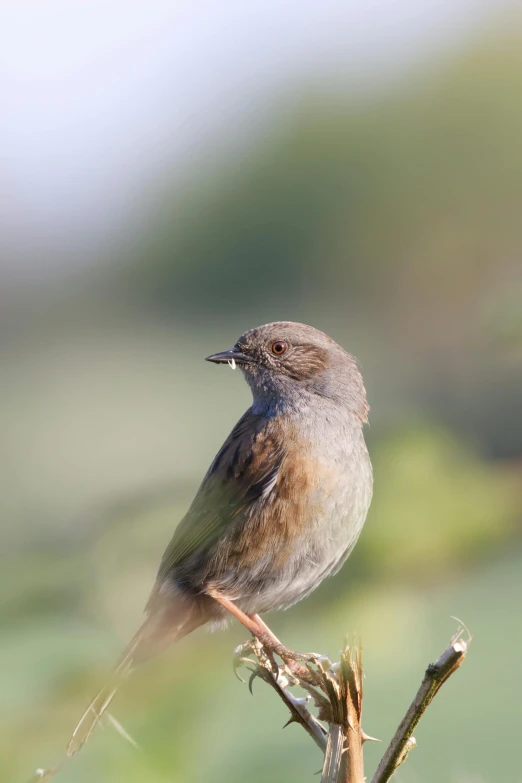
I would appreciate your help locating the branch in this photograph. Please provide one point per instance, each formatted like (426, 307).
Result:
(299, 712)
(333, 754)
(337, 692)
(264, 669)
(403, 741)
(343, 761)
(351, 677)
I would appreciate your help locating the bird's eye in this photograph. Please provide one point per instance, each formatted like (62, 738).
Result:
(279, 348)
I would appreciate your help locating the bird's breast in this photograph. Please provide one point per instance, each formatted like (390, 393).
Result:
(303, 509)
(300, 491)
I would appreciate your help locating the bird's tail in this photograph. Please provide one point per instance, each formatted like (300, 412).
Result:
(161, 629)
(93, 714)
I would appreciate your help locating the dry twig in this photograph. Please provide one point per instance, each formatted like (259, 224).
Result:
(299, 712)
(435, 676)
(338, 696)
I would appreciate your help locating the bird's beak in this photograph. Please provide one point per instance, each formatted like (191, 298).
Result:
(232, 357)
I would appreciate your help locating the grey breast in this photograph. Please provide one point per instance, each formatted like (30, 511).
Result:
(338, 509)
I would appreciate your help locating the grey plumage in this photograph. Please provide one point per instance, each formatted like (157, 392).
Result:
(281, 506)
(293, 480)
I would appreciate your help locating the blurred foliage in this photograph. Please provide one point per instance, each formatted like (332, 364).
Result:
(391, 221)
(419, 188)
(444, 504)
(395, 219)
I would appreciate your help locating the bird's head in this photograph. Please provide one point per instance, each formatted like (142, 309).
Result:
(286, 362)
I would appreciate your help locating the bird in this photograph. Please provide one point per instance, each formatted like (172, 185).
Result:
(280, 508)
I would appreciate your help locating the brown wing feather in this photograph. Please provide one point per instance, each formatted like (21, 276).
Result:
(244, 468)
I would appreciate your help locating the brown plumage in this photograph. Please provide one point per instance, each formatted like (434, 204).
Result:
(280, 507)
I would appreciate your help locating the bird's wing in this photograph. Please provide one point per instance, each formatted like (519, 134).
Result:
(245, 467)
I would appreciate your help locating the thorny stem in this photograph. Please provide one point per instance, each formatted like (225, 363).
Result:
(343, 761)
(333, 754)
(403, 741)
(351, 680)
(339, 697)
(299, 712)
(341, 707)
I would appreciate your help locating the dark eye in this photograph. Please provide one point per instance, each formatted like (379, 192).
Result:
(279, 348)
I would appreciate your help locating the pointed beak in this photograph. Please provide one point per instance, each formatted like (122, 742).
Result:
(227, 357)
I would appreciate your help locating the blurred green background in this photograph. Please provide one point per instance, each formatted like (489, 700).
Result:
(372, 190)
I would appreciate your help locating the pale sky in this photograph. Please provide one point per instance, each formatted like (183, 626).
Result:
(99, 97)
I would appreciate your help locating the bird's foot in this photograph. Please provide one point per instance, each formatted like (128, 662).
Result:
(256, 648)
(291, 655)
(255, 657)
(296, 667)
(242, 653)
(298, 664)
(302, 673)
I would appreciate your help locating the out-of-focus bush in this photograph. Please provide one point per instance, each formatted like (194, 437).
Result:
(436, 506)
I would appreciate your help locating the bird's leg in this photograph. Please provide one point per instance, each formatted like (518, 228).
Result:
(268, 639)
(290, 658)
(264, 634)
(280, 649)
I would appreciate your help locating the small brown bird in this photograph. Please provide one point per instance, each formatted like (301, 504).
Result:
(280, 508)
